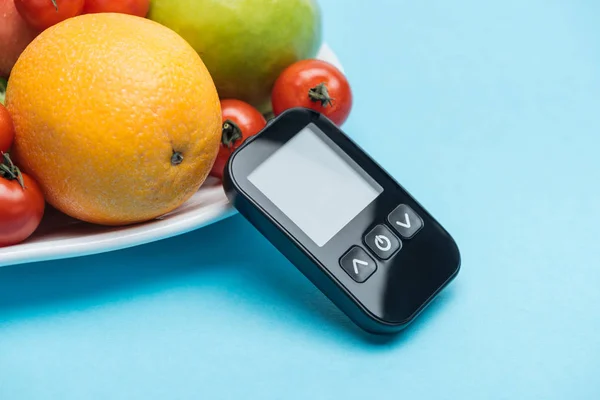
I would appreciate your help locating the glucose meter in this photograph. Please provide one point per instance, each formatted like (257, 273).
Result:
(345, 223)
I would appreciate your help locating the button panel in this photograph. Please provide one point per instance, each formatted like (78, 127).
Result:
(405, 221)
(358, 264)
(382, 242)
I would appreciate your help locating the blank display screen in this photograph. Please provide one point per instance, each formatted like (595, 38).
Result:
(318, 189)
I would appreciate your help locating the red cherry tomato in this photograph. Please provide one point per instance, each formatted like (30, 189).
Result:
(132, 7)
(240, 121)
(313, 84)
(21, 204)
(42, 14)
(7, 130)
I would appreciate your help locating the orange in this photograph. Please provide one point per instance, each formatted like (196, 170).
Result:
(115, 116)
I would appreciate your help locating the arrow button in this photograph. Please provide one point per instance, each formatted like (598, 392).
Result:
(358, 264)
(405, 221)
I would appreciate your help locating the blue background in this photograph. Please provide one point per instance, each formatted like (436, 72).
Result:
(489, 114)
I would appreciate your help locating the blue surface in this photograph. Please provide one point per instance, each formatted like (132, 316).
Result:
(489, 113)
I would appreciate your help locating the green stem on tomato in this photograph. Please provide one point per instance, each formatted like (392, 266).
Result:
(230, 133)
(55, 5)
(320, 94)
(10, 171)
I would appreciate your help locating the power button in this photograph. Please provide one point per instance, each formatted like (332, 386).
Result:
(382, 242)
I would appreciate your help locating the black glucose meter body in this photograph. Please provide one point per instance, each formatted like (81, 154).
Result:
(344, 222)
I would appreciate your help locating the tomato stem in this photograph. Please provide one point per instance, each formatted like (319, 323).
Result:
(10, 171)
(55, 5)
(320, 94)
(230, 133)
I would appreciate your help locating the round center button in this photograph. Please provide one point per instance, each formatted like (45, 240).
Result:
(382, 242)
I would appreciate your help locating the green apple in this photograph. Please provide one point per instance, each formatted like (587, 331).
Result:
(3, 83)
(245, 44)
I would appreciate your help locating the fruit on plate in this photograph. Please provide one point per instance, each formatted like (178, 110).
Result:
(42, 14)
(313, 84)
(132, 7)
(245, 44)
(116, 117)
(240, 121)
(21, 203)
(7, 131)
(15, 35)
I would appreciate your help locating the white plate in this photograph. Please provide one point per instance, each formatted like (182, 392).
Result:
(60, 236)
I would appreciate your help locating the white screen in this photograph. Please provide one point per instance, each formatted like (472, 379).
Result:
(314, 186)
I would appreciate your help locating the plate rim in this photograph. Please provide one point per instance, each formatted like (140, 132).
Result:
(135, 235)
